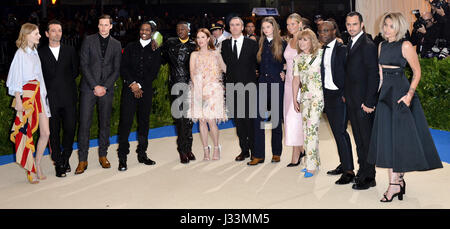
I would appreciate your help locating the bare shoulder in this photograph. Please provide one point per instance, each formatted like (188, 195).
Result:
(407, 45)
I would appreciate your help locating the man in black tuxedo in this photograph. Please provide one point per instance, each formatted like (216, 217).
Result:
(361, 89)
(140, 66)
(100, 58)
(239, 54)
(60, 68)
(333, 81)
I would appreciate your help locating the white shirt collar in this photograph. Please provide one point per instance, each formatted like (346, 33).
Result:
(239, 40)
(332, 44)
(355, 39)
(269, 39)
(145, 42)
(30, 51)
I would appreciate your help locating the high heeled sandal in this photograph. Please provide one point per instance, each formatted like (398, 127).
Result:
(206, 155)
(399, 194)
(403, 188)
(217, 157)
(31, 179)
(40, 177)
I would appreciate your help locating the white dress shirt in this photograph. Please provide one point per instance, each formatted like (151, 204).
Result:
(329, 84)
(26, 66)
(55, 51)
(239, 43)
(355, 39)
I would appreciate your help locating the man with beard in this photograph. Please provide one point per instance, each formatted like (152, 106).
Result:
(60, 68)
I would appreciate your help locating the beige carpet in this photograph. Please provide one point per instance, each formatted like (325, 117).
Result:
(213, 184)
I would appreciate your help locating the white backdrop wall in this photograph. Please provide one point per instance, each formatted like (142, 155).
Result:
(372, 10)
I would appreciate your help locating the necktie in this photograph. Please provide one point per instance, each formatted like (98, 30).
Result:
(350, 43)
(235, 53)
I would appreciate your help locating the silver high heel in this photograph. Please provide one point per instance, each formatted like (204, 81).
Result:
(206, 155)
(217, 157)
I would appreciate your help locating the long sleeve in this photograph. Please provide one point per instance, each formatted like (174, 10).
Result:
(116, 65)
(75, 64)
(125, 66)
(15, 75)
(85, 60)
(373, 78)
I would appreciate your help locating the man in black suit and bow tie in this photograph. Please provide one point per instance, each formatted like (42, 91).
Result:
(60, 68)
(239, 54)
(100, 58)
(361, 89)
(333, 81)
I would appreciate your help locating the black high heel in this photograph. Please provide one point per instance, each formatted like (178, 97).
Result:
(302, 154)
(399, 194)
(403, 188)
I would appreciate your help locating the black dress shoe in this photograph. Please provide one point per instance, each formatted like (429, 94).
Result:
(144, 159)
(191, 156)
(60, 170)
(346, 178)
(336, 171)
(184, 158)
(67, 167)
(122, 165)
(242, 156)
(302, 154)
(363, 184)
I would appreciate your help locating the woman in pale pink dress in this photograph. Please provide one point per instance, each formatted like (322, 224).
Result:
(206, 94)
(293, 129)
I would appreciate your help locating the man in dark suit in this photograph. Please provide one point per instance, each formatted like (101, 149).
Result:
(239, 54)
(177, 51)
(100, 64)
(139, 67)
(361, 89)
(60, 68)
(333, 81)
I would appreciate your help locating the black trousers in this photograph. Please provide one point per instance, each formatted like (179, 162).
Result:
(183, 126)
(336, 111)
(65, 116)
(128, 107)
(362, 124)
(277, 130)
(87, 104)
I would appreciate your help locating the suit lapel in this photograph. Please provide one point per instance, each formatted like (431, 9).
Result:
(333, 58)
(50, 53)
(358, 43)
(98, 46)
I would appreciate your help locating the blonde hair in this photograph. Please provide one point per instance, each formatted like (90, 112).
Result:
(25, 30)
(296, 17)
(315, 45)
(399, 23)
(277, 43)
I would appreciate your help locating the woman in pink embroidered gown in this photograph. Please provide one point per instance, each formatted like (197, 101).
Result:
(206, 94)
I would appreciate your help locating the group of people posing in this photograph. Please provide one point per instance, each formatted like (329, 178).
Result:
(271, 80)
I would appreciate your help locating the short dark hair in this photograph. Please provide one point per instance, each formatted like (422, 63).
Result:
(354, 13)
(106, 16)
(53, 22)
